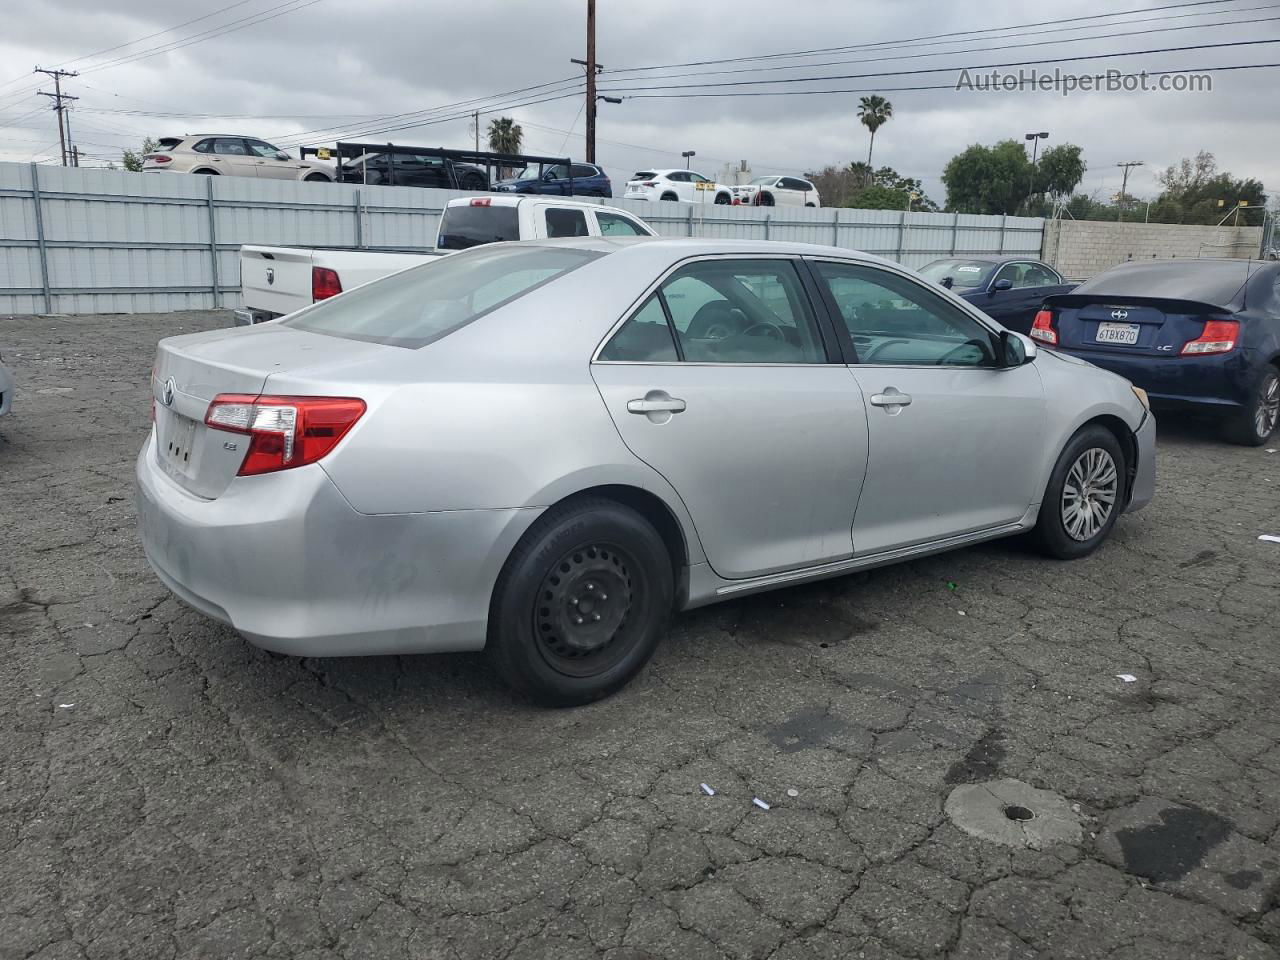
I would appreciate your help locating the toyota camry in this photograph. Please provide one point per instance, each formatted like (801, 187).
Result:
(545, 449)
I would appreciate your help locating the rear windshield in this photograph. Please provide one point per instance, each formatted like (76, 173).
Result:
(964, 274)
(644, 175)
(465, 226)
(423, 304)
(1215, 282)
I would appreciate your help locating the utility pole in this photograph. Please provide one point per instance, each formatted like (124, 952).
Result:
(58, 97)
(476, 117)
(1124, 185)
(593, 69)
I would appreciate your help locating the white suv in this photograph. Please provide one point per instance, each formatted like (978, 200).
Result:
(228, 155)
(778, 191)
(686, 186)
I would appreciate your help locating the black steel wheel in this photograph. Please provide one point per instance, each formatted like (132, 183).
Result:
(581, 603)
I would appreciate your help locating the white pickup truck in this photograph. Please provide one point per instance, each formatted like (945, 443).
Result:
(275, 281)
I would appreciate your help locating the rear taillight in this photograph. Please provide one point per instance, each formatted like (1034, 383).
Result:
(284, 432)
(482, 201)
(324, 283)
(649, 183)
(158, 158)
(1042, 328)
(1218, 336)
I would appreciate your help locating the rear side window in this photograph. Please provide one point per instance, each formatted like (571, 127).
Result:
(469, 225)
(581, 171)
(566, 222)
(168, 143)
(232, 146)
(423, 304)
(204, 146)
(645, 338)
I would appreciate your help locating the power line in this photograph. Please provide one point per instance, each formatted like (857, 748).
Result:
(950, 69)
(818, 51)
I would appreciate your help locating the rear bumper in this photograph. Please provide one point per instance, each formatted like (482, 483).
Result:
(1144, 478)
(286, 561)
(1215, 381)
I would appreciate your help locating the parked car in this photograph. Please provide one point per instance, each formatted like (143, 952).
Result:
(6, 389)
(687, 186)
(230, 155)
(1203, 334)
(275, 281)
(588, 180)
(544, 449)
(1007, 289)
(404, 170)
(778, 191)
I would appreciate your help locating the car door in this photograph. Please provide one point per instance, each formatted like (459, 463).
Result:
(268, 165)
(679, 183)
(953, 438)
(1015, 307)
(231, 154)
(701, 189)
(790, 192)
(722, 381)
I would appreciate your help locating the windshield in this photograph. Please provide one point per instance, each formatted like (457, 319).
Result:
(763, 181)
(469, 225)
(420, 305)
(964, 274)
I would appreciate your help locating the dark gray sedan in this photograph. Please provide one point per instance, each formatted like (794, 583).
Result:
(1007, 289)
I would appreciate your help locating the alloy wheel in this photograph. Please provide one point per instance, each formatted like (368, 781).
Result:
(1089, 494)
(1267, 415)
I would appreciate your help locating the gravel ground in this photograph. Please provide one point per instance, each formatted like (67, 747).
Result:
(170, 791)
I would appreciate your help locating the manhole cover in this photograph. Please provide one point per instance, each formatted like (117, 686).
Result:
(1013, 813)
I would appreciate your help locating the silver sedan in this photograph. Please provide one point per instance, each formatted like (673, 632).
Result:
(544, 449)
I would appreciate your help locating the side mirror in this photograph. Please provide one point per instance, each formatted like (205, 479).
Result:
(1015, 349)
(948, 282)
(1002, 285)
(281, 155)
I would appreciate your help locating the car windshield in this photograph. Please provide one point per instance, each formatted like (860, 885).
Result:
(1216, 282)
(763, 181)
(421, 305)
(964, 274)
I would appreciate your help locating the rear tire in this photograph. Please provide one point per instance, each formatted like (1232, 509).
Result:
(766, 199)
(1085, 495)
(315, 178)
(580, 604)
(206, 173)
(723, 199)
(474, 183)
(670, 196)
(1255, 424)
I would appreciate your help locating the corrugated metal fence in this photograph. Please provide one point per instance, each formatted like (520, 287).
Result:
(100, 241)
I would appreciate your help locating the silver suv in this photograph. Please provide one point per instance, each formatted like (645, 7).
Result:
(217, 154)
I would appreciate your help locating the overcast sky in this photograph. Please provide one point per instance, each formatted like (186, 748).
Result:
(328, 64)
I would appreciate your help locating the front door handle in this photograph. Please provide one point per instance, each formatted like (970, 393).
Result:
(890, 398)
(669, 405)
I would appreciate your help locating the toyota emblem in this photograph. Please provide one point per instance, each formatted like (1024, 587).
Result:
(271, 275)
(167, 391)
(1119, 314)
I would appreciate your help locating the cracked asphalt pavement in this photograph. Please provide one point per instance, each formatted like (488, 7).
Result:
(170, 791)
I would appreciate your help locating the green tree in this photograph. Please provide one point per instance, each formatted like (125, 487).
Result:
(1059, 171)
(132, 160)
(997, 179)
(857, 185)
(505, 135)
(874, 112)
(1195, 191)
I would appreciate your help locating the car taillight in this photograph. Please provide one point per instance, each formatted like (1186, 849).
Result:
(649, 183)
(284, 432)
(482, 201)
(324, 283)
(1218, 336)
(1042, 328)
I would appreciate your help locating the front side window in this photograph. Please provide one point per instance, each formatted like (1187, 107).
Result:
(893, 320)
(1037, 275)
(420, 305)
(261, 148)
(742, 311)
(566, 222)
(613, 225)
(698, 178)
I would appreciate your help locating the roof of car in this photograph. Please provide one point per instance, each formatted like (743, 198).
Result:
(990, 258)
(682, 247)
(515, 199)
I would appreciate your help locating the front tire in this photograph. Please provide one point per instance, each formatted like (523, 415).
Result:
(723, 199)
(1256, 423)
(580, 604)
(1084, 497)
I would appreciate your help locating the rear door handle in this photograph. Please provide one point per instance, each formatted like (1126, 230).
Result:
(669, 405)
(894, 399)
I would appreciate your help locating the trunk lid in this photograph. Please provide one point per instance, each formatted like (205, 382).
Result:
(191, 370)
(276, 279)
(1129, 326)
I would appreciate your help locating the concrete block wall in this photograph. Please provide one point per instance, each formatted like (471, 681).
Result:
(1080, 248)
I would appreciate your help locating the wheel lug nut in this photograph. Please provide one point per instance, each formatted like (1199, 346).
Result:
(591, 586)
(604, 596)
(595, 616)
(573, 601)
(577, 620)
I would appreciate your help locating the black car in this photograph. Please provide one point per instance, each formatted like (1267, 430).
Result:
(587, 180)
(1203, 334)
(404, 170)
(1007, 289)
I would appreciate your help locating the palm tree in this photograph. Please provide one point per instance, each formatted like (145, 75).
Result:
(505, 135)
(874, 112)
